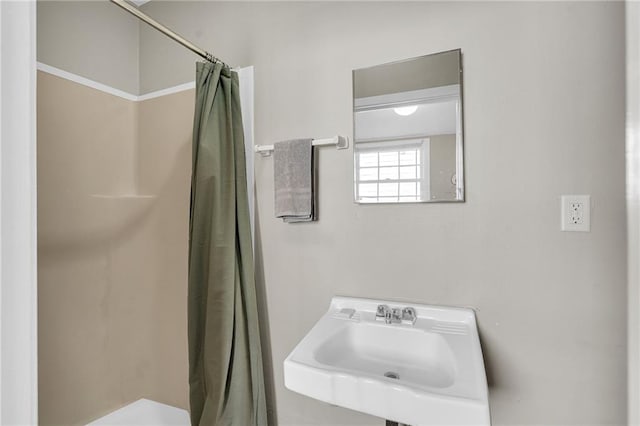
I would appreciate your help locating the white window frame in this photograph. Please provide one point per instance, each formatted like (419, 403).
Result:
(394, 145)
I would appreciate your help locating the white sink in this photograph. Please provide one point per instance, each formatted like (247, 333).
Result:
(437, 361)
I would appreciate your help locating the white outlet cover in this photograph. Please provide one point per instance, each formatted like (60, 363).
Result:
(575, 213)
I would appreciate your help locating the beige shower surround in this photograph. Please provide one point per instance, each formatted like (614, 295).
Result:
(113, 188)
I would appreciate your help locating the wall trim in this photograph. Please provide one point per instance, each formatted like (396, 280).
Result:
(112, 90)
(85, 81)
(168, 91)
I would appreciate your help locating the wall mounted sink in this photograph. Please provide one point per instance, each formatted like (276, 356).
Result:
(426, 372)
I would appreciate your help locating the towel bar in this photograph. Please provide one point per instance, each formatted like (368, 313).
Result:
(341, 142)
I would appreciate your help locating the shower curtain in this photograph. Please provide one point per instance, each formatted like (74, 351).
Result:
(226, 381)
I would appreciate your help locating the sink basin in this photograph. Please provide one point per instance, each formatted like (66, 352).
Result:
(430, 372)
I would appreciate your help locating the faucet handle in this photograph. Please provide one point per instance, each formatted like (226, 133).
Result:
(409, 315)
(396, 315)
(381, 312)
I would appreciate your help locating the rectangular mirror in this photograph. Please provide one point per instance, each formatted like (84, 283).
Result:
(408, 131)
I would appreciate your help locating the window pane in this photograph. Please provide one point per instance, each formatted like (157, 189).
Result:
(388, 173)
(368, 189)
(388, 189)
(389, 158)
(408, 199)
(408, 157)
(368, 159)
(369, 199)
(408, 172)
(369, 173)
(408, 188)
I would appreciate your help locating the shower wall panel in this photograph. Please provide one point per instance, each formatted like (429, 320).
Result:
(113, 217)
(164, 164)
(95, 287)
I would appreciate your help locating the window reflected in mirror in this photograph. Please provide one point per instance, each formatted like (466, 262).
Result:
(388, 173)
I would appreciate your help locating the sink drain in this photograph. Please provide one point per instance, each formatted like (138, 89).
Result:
(391, 375)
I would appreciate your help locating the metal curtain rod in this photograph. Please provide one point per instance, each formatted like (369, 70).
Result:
(166, 31)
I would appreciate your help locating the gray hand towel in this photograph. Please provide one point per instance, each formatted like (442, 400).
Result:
(293, 171)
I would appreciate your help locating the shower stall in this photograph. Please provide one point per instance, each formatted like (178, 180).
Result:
(114, 169)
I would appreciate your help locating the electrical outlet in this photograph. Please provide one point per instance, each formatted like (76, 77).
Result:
(576, 213)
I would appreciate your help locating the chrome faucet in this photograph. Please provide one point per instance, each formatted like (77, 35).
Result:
(405, 315)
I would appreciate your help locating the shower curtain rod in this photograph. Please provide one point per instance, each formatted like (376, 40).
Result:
(166, 31)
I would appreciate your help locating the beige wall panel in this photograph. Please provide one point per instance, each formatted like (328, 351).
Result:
(165, 170)
(95, 308)
(544, 116)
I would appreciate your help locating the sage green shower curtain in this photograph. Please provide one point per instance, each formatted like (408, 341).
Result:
(225, 359)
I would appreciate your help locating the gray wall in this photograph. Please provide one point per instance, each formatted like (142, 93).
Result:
(442, 167)
(544, 116)
(421, 73)
(633, 205)
(94, 39)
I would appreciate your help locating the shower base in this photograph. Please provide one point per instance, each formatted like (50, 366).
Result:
(144, 412)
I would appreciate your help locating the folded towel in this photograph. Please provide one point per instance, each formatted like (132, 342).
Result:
(293, 171)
